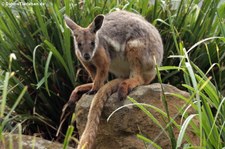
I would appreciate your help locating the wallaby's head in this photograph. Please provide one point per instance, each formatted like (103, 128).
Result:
(85, 38)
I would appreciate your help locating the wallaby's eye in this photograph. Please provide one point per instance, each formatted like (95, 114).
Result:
(92, 43)
(79, 44)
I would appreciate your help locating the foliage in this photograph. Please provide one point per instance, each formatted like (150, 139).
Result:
(10, 120)
(204, 98)
(48, 70)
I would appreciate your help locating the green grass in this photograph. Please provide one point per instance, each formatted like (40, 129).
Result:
(9, 119)
(35, 86)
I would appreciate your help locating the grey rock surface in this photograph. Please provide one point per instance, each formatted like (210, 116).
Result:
(27, 142)
(120, 131)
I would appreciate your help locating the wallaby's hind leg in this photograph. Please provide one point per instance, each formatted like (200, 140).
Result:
(126, 86)
(78, 92)
(135, 80)
(75, 96)
(140, 71)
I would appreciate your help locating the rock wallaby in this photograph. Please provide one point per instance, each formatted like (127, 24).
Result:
(122, 43)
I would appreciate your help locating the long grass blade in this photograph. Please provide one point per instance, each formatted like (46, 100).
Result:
(46, 72)
(4, 94)
(148, 141)
(183, 129)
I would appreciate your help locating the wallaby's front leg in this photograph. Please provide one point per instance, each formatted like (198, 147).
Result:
(101, 62)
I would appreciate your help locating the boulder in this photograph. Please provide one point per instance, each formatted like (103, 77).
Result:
(120, 131)
(27, 142)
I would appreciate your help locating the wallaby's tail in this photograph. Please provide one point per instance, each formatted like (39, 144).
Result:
(90, 131)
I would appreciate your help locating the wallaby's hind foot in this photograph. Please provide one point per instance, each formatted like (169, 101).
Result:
(127, 86)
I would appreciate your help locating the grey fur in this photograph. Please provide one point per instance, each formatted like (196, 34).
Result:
(120, 28)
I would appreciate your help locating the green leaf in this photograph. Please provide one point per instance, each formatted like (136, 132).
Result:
(46, 72)
(148, 141)
(183, 129)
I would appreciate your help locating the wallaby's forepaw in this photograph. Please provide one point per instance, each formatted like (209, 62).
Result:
(91, 92)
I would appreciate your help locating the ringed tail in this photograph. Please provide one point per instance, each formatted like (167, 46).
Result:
(98, 102)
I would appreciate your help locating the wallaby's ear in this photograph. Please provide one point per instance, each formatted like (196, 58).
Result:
(97, 23)
(70, 23)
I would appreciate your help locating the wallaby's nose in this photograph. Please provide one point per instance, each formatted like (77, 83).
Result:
(87, 56)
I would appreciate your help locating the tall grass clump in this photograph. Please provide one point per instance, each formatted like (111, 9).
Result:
(48, 70)
(44, 63)
(190, 23)
(10, 121)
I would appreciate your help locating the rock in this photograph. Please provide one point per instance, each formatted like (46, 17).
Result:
(121, 129)
(28, 142)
